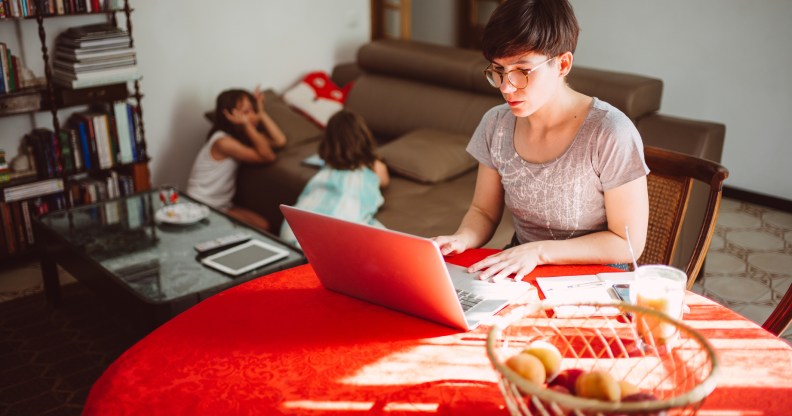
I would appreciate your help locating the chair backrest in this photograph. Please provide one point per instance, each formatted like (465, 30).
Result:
(670, 181)
(778, 321)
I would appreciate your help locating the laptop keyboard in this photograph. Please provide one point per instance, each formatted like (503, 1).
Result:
(467, 299)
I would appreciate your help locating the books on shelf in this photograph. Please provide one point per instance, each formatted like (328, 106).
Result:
(28, 8)
(91, 55)
(14, 76)
(99, 138)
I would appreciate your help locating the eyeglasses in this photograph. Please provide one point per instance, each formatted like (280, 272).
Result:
(517, 77)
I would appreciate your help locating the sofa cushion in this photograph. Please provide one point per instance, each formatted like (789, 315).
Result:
(297, 128)
(428, 156)
(317, 97)
(410, 105)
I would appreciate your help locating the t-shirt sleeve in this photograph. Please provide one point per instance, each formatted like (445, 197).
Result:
(480, 144)
(619, 153)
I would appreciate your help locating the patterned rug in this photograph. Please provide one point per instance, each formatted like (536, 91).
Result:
(50, 358)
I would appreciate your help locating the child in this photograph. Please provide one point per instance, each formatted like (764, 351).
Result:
(348, 186)
(242, 133)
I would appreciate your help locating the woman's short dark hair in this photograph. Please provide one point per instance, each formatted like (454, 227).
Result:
(348, 143)
(516, 27)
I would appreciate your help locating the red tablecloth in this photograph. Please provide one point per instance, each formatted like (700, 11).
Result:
(282, 344)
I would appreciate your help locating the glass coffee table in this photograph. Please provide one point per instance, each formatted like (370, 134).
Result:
(141, 259)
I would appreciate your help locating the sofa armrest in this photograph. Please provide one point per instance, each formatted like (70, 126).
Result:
(635, 95)
(345, 73)
(702, 139)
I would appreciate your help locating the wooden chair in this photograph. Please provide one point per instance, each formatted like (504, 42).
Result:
(778, 321)
(670, 182)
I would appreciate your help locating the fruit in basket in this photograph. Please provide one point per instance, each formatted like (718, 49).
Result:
(528, 367)
(567, 378)
(643, 396)
(598, 385)
(548, 354)
(627, 389)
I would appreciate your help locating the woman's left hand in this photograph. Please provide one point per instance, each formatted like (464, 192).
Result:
(517, 261)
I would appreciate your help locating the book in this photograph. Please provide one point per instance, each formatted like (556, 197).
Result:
(81, 67)
(95, 81)
(596, 288)
(94, 55)
(104, 150)
(33, 189)
(314, 160)
(4, 76)
(87, 154)
(121, 114)
(123, 72)
(8, 227)
(25, 206)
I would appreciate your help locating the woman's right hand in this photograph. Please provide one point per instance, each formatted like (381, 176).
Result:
(450, 244)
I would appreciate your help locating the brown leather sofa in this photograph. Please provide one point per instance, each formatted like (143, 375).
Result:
(423, 102)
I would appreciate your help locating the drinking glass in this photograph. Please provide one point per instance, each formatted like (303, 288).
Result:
(661, 288)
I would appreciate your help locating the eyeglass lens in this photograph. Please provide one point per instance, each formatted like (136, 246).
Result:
(518, 78)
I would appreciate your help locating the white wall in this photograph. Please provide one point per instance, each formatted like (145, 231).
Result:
(720, 60)
(190, 51)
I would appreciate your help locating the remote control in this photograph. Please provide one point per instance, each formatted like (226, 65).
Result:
(222, 242)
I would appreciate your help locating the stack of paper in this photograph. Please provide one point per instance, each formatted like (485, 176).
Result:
(571, 290)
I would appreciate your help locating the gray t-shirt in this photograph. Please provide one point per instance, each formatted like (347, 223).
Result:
(563, 198)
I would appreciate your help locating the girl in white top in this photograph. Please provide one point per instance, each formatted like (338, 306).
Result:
(569, 167)
(242, 133)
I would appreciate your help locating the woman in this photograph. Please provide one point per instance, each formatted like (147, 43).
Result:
(569, 167)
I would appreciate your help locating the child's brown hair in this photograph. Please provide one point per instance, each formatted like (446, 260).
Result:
(348, 143)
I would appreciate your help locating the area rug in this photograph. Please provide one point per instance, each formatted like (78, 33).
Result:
(50, 357)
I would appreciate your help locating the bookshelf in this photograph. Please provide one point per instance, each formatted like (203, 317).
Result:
(95, 153)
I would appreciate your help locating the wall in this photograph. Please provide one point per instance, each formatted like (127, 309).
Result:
(189, 53)
(720, 60)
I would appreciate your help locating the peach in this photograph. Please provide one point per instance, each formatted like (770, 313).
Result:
(627, 388)
(528, 367)
(548, 354)
(598, 385)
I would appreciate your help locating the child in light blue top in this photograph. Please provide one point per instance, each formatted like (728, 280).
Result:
(348, 186)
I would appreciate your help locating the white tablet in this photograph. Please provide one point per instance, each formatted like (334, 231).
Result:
(244, 257)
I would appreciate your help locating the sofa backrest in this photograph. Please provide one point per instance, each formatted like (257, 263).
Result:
(407, 85)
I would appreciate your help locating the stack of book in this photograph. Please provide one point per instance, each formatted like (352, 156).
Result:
(91, 55)
(100, 138)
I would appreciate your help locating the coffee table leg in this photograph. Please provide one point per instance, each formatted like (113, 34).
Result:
(49, 275)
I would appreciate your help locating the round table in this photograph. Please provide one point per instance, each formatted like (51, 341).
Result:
(282, 344)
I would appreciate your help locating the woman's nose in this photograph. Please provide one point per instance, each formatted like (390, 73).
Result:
(506, 86)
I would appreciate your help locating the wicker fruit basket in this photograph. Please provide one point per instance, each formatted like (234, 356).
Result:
(678, 371)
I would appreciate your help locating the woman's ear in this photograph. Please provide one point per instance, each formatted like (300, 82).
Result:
(565, 63)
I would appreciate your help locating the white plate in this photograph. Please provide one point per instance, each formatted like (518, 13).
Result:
(182, 214)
